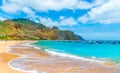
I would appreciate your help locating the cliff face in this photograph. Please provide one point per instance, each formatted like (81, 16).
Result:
(67, 35)
(25, 29)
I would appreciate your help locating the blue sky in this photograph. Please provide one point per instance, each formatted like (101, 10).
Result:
(92, 19)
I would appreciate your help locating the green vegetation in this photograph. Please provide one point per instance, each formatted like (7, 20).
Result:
(25, 29)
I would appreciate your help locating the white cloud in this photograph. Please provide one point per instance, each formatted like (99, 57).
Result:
(70, 21)
(61, 17)
(86, 5)
(106, 13)
(30, 13)
(48, 22)
(11, 6)
(2, 18)
(30, 7)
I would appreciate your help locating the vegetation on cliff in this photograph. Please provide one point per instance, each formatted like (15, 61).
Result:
(25, 29)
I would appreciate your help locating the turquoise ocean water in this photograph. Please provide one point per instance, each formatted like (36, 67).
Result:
(105, 50)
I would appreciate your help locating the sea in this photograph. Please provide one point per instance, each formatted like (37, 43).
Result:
(99, 50)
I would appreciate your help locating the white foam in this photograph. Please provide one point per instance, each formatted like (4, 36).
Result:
(18, 69)
(30, 44)
(67, 55)
(52, 53)
(72, 56)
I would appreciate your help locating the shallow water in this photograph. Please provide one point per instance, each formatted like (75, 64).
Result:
(105, 50)
(35, 60)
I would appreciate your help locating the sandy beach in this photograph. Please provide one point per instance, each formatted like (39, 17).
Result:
(5, 57)
(28, 58)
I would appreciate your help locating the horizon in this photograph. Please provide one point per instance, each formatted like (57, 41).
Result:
(91, 19)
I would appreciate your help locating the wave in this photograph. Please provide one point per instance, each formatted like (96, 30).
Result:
(21, 70)
(73, 56)
(54, 53)
(60, 53)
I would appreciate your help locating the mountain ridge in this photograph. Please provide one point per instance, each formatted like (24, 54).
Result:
(25, 29)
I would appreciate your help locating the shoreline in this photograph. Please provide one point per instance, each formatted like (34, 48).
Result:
(68, 55)
(65, 54)
(30, 55)
(97, 60)
(6, 57)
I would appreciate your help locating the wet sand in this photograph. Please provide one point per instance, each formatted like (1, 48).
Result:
(38, 61)
(5, 57)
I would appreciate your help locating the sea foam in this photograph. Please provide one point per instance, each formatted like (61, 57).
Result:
(73, 56)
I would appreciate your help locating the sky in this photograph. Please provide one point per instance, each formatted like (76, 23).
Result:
(92, 19)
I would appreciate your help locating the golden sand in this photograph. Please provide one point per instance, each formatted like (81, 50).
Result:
(5, 57)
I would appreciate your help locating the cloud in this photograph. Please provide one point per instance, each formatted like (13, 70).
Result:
(2, 18)
(62, 21)
(107, 13)
(48, 21)
(30, 7)
(9, 7)
(30, 13)
(87, 5)
(68, 21)
(12, 6)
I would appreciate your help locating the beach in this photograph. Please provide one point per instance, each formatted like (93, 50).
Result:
(22, 58)
(5, 56)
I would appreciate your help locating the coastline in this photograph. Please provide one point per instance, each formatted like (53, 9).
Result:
(30, 57)
(64, 54)
(92, 59)
(5, 56)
